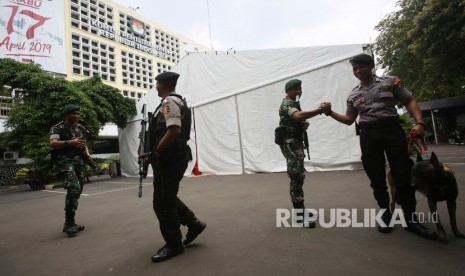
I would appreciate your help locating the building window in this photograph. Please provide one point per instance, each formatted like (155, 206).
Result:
(83, 11)
(95, 62)
(135, 67)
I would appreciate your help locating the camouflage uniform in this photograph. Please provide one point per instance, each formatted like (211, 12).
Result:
(69, 162)
(293, 149)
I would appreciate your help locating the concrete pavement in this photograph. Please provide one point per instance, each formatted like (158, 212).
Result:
(241, 238)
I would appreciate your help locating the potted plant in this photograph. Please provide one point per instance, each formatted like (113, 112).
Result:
(104, 167)
(21, 175)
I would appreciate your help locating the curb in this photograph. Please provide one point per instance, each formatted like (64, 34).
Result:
(53, 186)
(13, 189)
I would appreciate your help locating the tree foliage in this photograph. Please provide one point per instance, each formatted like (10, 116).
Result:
(40, 99)
(113, 107)
(423, 43)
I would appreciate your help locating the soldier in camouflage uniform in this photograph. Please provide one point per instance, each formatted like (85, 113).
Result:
(292, 125)
(67, 140)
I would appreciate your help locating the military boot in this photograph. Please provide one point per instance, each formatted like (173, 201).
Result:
(77, 226)
(416, 227)
(166, 253)
(71, 230)
(386, 217)
(194, 229)
(300, 208)
(70, 227)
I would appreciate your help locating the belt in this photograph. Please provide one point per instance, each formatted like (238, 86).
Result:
(381, 123)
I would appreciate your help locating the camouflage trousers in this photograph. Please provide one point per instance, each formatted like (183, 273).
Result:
(293, 151)
(73, 183)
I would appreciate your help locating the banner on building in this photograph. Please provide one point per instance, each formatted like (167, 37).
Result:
(32, 31)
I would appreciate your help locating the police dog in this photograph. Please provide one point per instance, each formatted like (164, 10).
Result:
(437, 182)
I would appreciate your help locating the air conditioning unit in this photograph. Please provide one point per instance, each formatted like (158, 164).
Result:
(10, 155)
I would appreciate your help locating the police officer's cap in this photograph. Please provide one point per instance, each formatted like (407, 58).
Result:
(70, 109)
(292, 83)
(362, 59)
(167, 76)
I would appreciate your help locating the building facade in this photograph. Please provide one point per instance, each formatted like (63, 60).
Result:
(124, 48)
(77, 39)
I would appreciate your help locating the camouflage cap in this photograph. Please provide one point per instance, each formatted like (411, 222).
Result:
(362, 59)
(70, 108)
(292, 83)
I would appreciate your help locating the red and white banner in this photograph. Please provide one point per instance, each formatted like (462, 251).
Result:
(32, 31)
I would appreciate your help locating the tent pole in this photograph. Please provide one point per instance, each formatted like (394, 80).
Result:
(434, 127)
(240, 134)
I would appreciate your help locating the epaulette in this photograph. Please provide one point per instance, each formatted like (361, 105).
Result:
(60, 124)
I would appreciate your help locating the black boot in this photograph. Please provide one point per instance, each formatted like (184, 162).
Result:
(416, 227)
(300, 207)
(70, 227)
(194, 229)
(386, 217)
(77, 226)
(71, 230)
(166, 253)
(69, 221)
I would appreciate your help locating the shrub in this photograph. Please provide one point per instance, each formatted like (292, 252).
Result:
(22, 173)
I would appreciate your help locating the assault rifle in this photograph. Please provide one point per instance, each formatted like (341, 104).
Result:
(306, 143)
(143, 161)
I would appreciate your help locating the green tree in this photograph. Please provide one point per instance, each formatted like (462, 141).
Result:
(39, 102)
(439, 35)
(422, 43)
(113, 107)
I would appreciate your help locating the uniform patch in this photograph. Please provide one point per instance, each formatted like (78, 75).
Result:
(166, 109)
(397, 82)
(359, 101)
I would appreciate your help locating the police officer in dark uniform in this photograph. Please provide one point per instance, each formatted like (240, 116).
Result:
(69, 149)
(374, 100)
(169, 158)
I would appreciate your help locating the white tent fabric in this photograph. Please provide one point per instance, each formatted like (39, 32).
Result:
(236, 97)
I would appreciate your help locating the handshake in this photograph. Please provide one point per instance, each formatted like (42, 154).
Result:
(325, 107)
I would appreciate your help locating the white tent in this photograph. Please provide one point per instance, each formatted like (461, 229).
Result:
(236, 97)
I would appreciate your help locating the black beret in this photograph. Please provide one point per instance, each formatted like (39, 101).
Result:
(292, 83)
(362, 59)
(167, 76)
(70, 109)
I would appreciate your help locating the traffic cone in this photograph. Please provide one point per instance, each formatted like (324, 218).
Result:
(196, 171)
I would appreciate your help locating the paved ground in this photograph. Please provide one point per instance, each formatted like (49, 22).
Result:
(241, 238)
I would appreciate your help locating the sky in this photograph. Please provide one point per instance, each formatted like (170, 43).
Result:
(265, 24)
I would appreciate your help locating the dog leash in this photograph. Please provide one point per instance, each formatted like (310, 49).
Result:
(419, 142)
